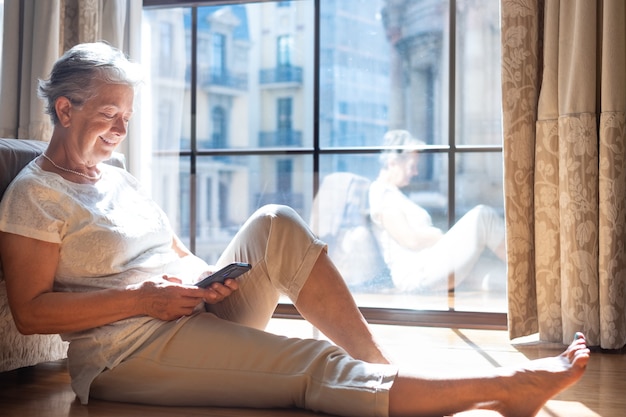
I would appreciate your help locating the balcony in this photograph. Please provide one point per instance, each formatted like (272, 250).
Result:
(281, 75)
(280, 138)
(209, 78)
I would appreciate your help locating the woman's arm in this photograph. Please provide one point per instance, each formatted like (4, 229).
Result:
(179, 247)
(29, 267)
(395, 222)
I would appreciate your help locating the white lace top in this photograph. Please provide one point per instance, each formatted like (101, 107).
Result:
(111, 235)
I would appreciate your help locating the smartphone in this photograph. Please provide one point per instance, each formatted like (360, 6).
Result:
(229, 271)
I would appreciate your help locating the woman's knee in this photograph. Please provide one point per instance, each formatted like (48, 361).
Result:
(280, 216)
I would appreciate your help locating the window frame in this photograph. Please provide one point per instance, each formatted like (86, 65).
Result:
(428, 318)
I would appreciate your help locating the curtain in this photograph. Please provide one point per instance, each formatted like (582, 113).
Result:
(36, 33)
(564, 102)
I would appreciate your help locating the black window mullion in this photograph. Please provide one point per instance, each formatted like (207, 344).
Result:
(316, 94)
(452, 138)
(193, 215)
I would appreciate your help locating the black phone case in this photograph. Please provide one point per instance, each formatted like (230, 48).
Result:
(229, 271)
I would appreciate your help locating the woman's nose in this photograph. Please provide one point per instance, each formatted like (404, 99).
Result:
(120, 127)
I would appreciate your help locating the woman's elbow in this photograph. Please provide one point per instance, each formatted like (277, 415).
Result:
(27, 325)
(23, 327)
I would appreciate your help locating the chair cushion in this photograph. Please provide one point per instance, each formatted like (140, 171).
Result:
(14, 155)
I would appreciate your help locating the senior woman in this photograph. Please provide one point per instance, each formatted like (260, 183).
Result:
(113, 279)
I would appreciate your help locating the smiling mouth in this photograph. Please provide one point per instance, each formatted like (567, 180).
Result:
(108, 142)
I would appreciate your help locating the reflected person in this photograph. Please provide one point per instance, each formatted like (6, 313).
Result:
(419, 255)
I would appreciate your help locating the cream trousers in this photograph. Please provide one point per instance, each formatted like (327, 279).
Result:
(224, 358)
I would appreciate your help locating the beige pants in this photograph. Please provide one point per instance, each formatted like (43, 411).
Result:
(223, 358)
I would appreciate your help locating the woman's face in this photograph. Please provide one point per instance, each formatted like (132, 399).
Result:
(403, 168)
(100, 125)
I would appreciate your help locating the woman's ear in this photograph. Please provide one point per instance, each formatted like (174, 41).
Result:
(63, 108)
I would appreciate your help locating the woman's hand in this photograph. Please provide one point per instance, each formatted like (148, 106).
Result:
(216, 292)
(169, 300)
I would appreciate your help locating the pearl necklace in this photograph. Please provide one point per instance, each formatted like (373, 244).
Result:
(71, 171)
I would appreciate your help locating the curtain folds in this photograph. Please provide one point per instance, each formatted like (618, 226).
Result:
(36, 33)
(564, 102)
(27, 49)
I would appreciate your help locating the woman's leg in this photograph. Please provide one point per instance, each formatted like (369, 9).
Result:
(326, 302)
(514, 392)
(203, 360)
(287, 258)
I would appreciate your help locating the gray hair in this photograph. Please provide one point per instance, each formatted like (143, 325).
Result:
(400, 143)
(77, 74)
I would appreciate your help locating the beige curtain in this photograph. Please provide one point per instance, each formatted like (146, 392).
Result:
(36, 33)
(564, 102)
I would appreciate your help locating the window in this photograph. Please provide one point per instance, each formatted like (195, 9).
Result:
(218, 53)
(307, 89)
(219, 137)
(284, 122)
(283, 54)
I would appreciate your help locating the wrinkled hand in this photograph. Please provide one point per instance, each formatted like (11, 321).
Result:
(216, 292)
(169, 300)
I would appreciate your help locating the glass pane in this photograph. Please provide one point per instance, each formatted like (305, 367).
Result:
(254, 65)
(230, 188)
(478, 88)
(170, 189)
(480, 206)
(165, 101)
(479, 180)
(354, 73)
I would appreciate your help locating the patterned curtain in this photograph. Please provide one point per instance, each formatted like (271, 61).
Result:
(36, 33)
(564, 102)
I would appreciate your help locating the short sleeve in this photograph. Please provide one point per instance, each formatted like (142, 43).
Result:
(32, 209)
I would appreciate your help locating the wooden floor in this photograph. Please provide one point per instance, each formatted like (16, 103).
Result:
(44, 390)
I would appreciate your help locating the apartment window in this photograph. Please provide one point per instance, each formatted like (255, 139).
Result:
(284, 122)
(357, 70)
(283, 48)
(219, 137)
(218, 53)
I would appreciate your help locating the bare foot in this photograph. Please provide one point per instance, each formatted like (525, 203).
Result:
(534, 384)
